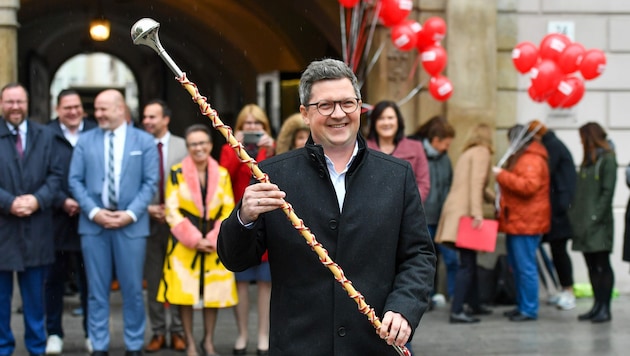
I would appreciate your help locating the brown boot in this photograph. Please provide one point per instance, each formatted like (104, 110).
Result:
(178, 343)
(157, 343)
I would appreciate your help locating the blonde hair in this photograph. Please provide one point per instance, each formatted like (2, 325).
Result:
(286, 137)
(255, 111)
(480, 134)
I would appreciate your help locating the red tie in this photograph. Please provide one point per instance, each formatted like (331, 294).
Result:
(18, 143)
(161, 184)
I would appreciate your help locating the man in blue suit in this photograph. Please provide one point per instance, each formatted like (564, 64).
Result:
(30, 176)
(113, 176)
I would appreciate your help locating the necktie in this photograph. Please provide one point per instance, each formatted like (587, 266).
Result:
(161, 183)
(111, 180)
(18, 143)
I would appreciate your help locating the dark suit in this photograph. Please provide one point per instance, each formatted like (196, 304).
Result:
(123, 248)
(380, 239)
(26, 243)
(67, 242)
(156, 251)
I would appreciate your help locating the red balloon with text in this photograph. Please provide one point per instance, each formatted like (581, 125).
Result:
(394, 12)
(553, 45)
(524, 56)
(570, 59)
(440, 88)
(593, 64)
(545, 77)
(405, 35)
(434, 60)
(577, 84)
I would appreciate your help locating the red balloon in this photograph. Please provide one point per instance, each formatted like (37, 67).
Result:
(545, 77)
(553, 45)
(434, 28)
(434, 60)
(405, 35)
(568, 93)
(578, 91)
(570, 59)
(440, 88)
(593, 64)
(425, 41)
(524, 56)
(348, 3)
(394, 12)
(531, 91)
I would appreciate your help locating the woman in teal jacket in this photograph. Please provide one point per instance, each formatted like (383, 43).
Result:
(592, 217)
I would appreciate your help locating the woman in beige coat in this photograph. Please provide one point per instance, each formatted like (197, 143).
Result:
(465, 198)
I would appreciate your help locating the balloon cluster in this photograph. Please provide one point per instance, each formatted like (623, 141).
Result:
(553, 68)
(408, 35)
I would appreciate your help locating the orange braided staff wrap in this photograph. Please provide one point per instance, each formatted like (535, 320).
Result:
(317, 247)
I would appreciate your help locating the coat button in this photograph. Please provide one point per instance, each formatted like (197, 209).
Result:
(332, 224)
(341, 331)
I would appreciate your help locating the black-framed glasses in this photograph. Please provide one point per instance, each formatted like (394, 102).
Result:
(327, 107)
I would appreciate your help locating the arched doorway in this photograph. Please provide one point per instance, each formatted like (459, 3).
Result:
(88, 74)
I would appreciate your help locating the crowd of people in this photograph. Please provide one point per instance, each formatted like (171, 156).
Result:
(154, 211)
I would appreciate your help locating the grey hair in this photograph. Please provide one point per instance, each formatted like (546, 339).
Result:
(324, 70)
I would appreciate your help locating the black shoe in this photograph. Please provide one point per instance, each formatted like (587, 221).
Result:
(100, 353)
(462, 318)
(521, 317)
(260, 352)
(603, 315)
(480, 310)
(511, 313)
(242, 351)
(591, 313)
(133, 353)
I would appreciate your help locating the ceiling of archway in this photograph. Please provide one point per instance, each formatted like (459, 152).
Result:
(243, 36)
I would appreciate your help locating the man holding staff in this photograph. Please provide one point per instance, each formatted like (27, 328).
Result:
(362, 206)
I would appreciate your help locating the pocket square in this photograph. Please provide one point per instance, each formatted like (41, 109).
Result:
(135, 153)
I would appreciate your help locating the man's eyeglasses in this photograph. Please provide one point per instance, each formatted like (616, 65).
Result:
(13, 102)
(327, 107)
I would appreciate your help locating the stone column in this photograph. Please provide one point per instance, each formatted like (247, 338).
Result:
(472, 65)
(8, 40)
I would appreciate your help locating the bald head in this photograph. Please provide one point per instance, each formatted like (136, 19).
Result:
(109, 109)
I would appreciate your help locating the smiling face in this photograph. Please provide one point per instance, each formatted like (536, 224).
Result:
(154, 121)
(199, 146)
(14, 105)
(337, 131)
(387, 124)
(109, 109)
(70, 111)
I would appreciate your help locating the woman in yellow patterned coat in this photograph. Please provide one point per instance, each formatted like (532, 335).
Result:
(198, 197)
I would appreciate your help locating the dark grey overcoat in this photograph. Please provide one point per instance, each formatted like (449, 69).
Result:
(380, 240)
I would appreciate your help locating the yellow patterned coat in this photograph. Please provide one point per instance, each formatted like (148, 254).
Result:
(182, 283)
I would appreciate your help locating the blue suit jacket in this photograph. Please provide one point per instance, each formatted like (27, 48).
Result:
(138, 178)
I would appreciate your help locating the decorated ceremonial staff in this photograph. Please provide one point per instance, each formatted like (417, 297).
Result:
(145, 32)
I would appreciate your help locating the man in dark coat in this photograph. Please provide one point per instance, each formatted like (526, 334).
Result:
(69, 124)
(365, 209)
(30, 176)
